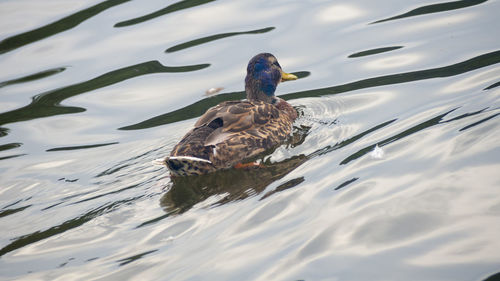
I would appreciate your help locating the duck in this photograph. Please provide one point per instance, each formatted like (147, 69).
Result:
(233, 132)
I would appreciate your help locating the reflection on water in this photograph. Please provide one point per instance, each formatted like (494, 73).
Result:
(49, 104)
(184, 4)
(211, 38)
(374, 51)
(436, 8)
(66, 23)
(39, 75)
(80, 146)
(80, 200)
(493, 277)
(339, 12)
(194, 110)
(235, 184)
(8, 146)
(198, 108)
(230, 185)
(492, 86)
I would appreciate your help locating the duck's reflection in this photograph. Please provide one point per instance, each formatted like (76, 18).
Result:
(233, 184)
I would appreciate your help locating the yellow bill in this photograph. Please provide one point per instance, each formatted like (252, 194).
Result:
(287, 76)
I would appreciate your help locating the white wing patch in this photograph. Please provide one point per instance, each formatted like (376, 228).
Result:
(189, 158)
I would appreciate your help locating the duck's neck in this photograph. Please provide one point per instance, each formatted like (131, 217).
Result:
(259, 91)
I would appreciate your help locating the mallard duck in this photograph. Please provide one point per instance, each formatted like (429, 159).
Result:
(234, 131)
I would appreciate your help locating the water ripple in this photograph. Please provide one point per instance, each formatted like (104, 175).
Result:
(34, 237)
(374, 51)
(49, 103)
(211, 38)
(435, 8)
(492, 86)
(185, 4)
(31, 77)
(59, 26)
(86, 203)
(80, 146)
(424, 125)
(198, 108)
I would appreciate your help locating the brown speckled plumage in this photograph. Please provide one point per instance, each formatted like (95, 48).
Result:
(233, 131)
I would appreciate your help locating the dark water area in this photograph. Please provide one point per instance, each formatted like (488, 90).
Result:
(391, 173)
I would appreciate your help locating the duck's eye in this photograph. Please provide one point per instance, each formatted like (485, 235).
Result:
(277, 64)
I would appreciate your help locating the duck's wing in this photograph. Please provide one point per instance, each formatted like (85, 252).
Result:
(230, 132)
(234, 117)
(222, 122)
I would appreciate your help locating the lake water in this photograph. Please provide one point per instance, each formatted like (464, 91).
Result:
(392, 173)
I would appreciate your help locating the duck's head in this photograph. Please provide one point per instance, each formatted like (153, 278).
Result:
(263, 75)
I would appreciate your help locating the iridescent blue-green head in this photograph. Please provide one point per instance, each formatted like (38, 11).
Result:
(263, 75)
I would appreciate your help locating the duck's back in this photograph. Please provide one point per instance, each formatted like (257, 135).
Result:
(231, 132)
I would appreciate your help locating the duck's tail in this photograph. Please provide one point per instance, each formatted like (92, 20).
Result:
(188, 165)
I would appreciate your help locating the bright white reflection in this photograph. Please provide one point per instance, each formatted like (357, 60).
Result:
(473, 81)
(393, 61)
(51, 164)
(377, 153)
(339, 13)
(438, 22)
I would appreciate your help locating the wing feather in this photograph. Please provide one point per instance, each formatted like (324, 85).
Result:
(238, 116)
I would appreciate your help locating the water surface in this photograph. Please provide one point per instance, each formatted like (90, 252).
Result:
(391, 172)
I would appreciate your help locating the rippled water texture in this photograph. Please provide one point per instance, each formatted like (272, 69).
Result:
(392, 172)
